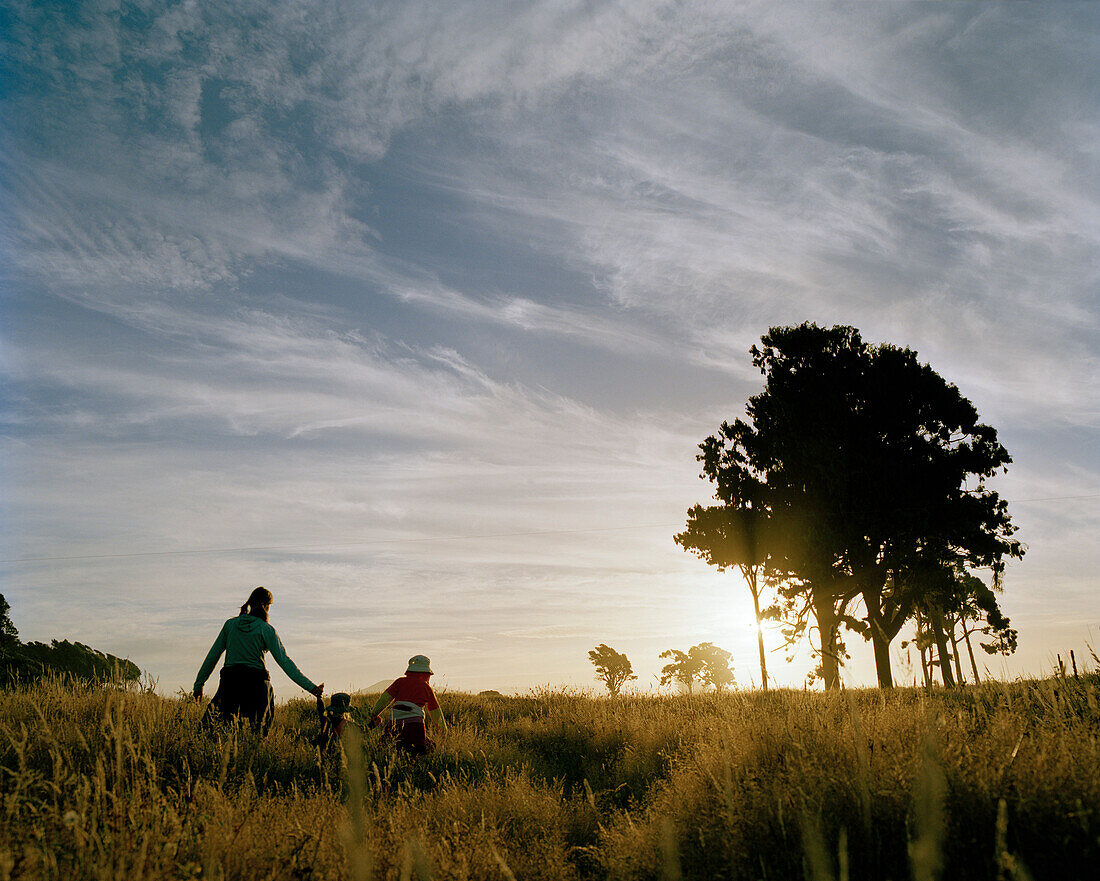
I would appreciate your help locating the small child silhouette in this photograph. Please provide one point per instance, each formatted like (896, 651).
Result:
(333, 718)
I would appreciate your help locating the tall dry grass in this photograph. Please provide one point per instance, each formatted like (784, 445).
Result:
(999, 781)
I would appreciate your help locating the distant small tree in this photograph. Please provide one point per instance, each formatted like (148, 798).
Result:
(613, 668)
(684, 668)
(717, 670)
(705, 663)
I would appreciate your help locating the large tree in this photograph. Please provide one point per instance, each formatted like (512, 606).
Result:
(871, 469)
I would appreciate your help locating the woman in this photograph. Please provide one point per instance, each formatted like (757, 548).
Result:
(245, 687)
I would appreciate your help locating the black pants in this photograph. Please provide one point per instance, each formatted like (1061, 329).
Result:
(409, 735)
(242, 692)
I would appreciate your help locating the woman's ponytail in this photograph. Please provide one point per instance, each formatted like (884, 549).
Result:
(257, 603)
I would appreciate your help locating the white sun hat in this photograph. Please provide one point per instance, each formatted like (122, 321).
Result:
(419, 664)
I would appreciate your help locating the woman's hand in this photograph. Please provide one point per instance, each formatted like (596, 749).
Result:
(196, 694)
(318, 690)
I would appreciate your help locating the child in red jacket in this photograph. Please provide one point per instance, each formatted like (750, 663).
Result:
(411, 695)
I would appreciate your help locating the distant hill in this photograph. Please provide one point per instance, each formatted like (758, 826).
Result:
(381, 685)
(377, 688)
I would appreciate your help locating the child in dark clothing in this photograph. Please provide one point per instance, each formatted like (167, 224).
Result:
(411, 696)
(333, 718)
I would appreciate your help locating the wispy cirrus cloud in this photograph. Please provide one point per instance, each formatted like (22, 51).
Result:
(774, 171)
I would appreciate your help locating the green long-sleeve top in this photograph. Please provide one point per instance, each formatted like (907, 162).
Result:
(244, 640)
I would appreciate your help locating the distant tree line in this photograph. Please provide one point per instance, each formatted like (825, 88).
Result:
(704, 664)
(28, 661)
(854, 495)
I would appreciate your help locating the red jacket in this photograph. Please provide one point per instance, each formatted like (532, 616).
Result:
(412, 695)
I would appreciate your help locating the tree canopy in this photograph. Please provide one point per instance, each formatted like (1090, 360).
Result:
(865, 472)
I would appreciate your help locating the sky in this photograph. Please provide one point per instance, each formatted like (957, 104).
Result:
(415, 313)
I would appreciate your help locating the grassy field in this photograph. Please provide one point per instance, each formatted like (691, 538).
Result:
(999, 781)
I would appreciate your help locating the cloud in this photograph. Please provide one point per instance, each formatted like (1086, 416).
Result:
(724, 205)
(344, 281)
(793, 163)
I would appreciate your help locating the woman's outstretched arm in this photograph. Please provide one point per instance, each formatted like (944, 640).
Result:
(211, 661)
(275, 646)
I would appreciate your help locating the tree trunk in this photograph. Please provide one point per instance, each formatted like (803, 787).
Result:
(970, 651)
(750, 577)
(924, 667)
(882, 657)
(763, 665)
(935, 618)
(919, 641)
(827, 626)
(955, 652)
(880, 638)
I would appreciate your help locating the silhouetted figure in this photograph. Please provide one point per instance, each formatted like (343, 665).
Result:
(245, 687)
(334, 718)
(411, 695)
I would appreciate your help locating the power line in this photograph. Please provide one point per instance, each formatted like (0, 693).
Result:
(342, 544)
(1053, 499)
(384, 541)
